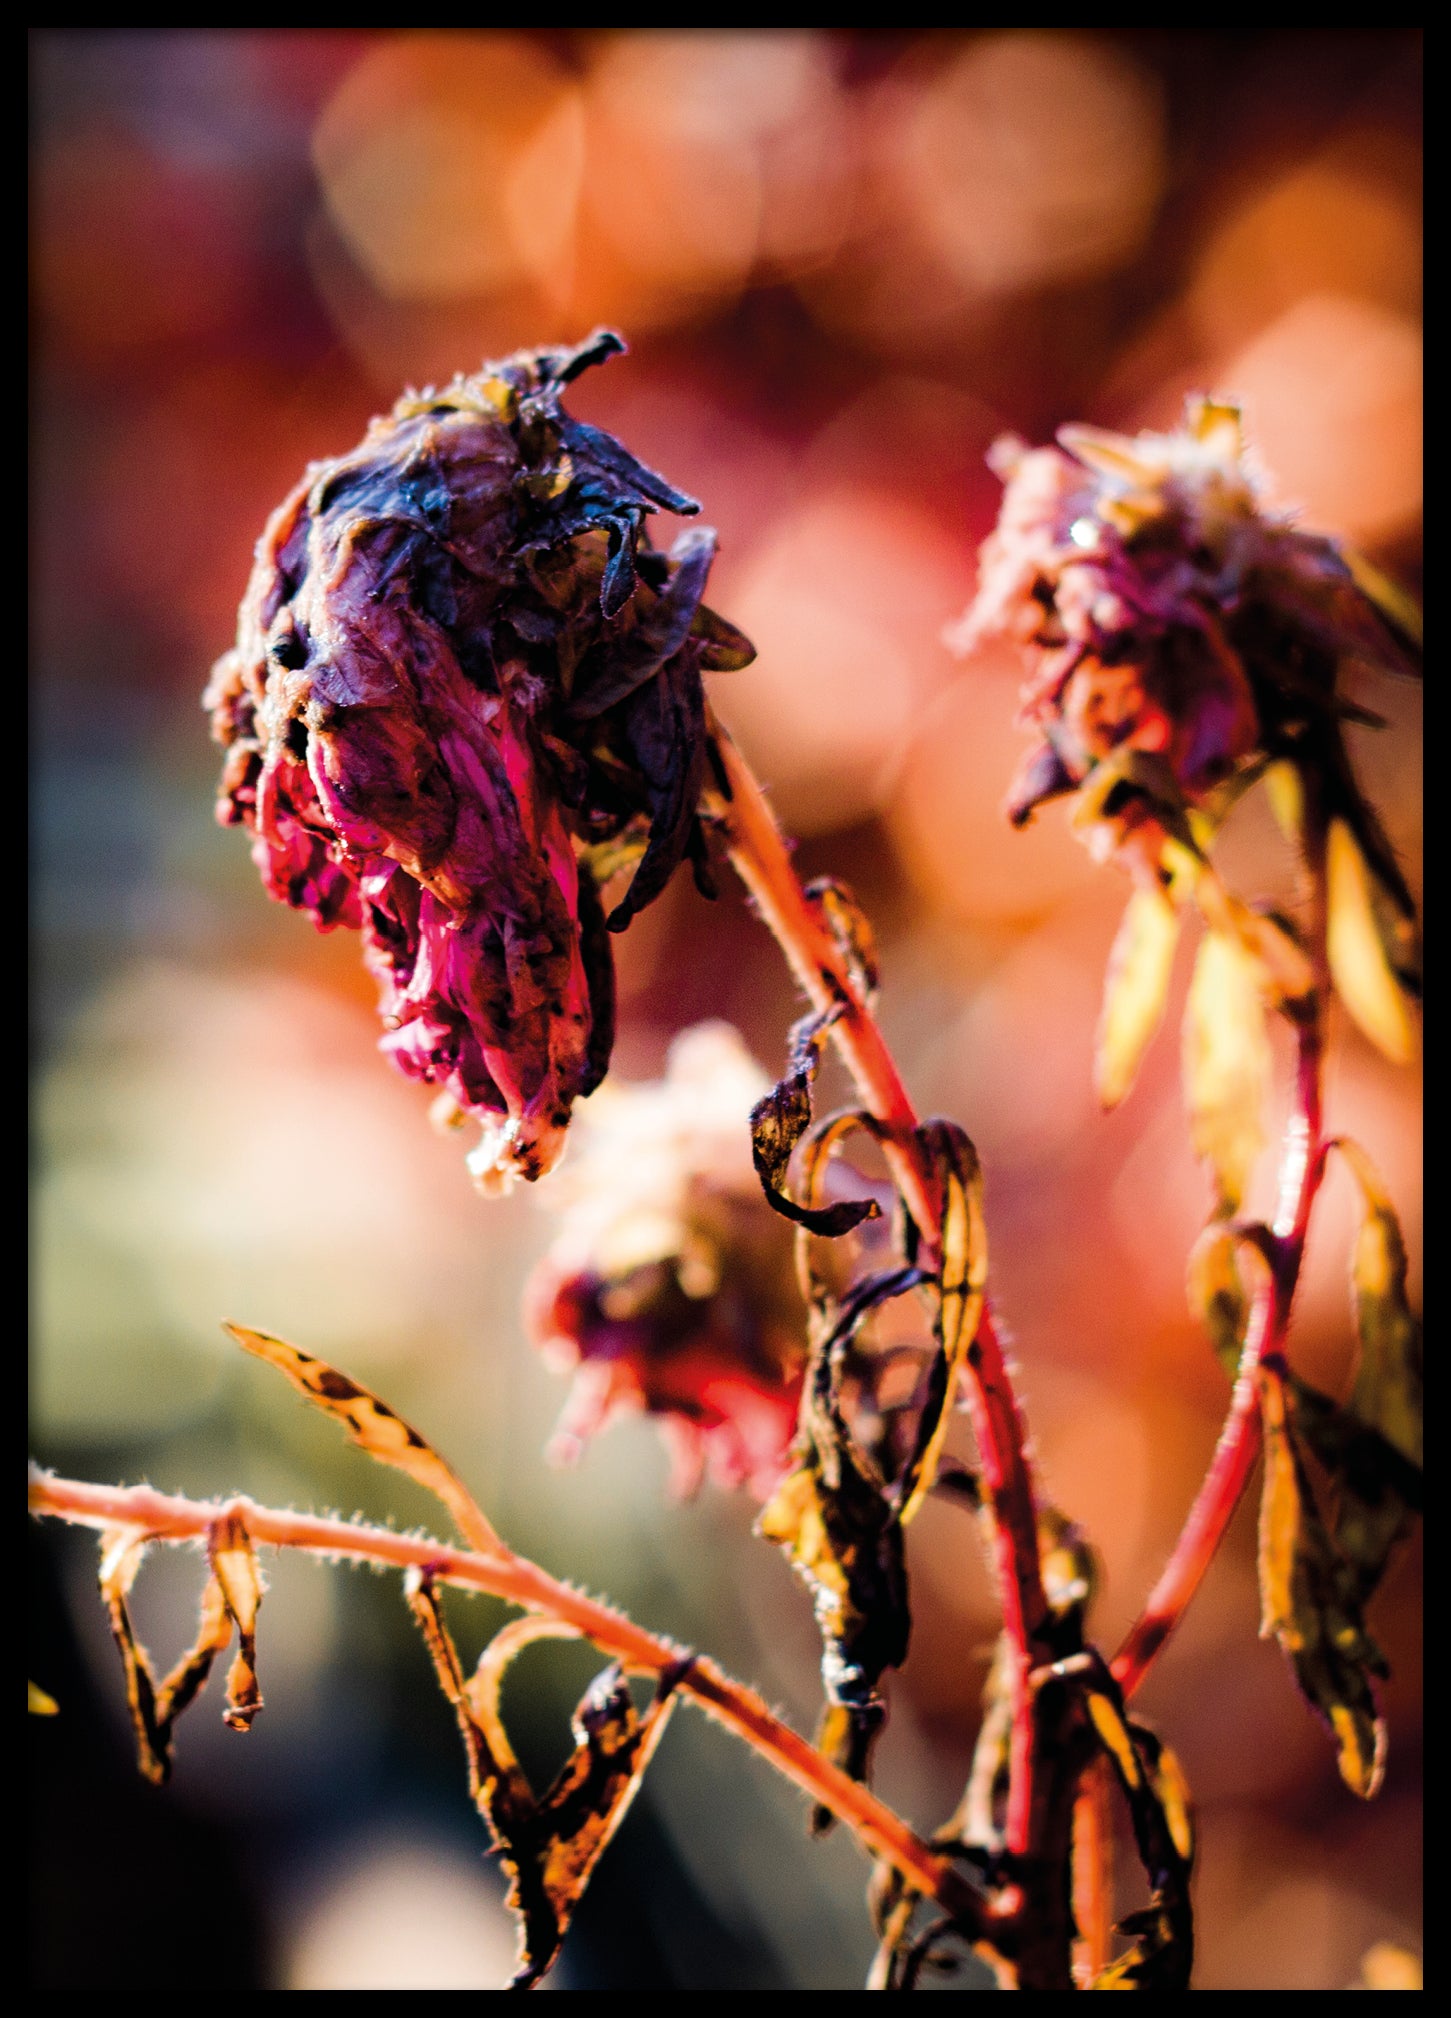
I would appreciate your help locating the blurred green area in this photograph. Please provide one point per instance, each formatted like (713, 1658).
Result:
(844, 263)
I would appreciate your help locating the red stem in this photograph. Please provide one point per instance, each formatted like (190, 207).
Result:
(1302, 1167)
(762, 860)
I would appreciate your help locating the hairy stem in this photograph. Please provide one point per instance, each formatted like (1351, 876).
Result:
(762, 859)
(1302, 1167)
(503, 1574)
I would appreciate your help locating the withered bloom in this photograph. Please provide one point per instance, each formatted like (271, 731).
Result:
(1162, 610)
(465, 693)
(670, 1287)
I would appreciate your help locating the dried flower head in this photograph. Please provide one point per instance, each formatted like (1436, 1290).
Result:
(1183, 642)
(465, 693)
(671, 1286)
(1162, 609)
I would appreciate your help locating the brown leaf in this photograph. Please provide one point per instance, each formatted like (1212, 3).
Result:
(1226, 1065)
(1218, 1292)
(1137, 983)
(961, 1286)
(376, 1428)
(781, 1118)
(1162, 1938)
(548, 1846)
(1388, 1383)
(239, 1580)
(851, 930)
(1308, 1601)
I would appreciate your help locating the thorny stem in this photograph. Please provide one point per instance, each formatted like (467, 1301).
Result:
(1302, 1167)
(166, 1518)
(761, 858)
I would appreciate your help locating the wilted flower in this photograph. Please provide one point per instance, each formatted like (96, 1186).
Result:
(1163, 610)
(465, 693)
(671, 1286)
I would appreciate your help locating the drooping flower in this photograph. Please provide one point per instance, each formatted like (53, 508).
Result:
(465, 694)
(671, 1288)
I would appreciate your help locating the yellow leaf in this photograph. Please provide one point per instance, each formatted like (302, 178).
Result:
(42, 1705)
(1308, 1602)
(1285, 790)
(1360, 958)
(376, 1428)
(1388, 1381)
(1139, 967)
(1226, 1064)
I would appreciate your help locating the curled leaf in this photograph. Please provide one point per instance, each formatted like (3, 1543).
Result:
(1371, 944)
(1161, 1950)
(1388, 1383)
(839, 1523)
(239, 1580)
(1309, 1602)
(375, 1428)
(1217, 1290)
(549, 1845)
(961, 1285)
(851, 930)
(1139, 967)
(1226, 1065)
(231, 1595)
(778, 1123)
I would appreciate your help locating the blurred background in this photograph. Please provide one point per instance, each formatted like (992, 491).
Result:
(844, 263)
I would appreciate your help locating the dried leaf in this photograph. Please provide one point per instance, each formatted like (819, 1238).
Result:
(813, 1154)
(1400, 610)
(961, 1284)
(40, 1704)
(377, 1429)
(1226, 1065)
(1371, 947)
(155, 1707)
(121, 1552)
(548, 1846)
(1378, 1492)
(851, 931)
(1139, 968)
(1388, 1385)
(1162, 1938)
(1308, 1601)
(1215, 1282)
(239, 1580)
(778, 1123)
(839, 1523)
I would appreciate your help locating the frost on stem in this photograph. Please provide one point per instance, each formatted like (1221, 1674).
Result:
(466, 694)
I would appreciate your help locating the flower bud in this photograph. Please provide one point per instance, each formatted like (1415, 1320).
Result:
(671, 1287)
(465, 694)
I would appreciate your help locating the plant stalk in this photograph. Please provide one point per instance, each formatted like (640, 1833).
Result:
(167, 1518)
